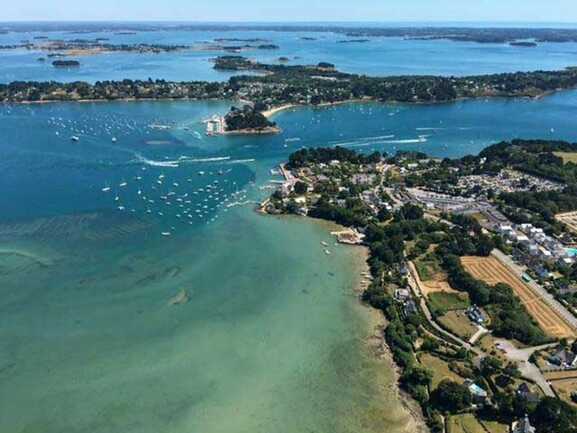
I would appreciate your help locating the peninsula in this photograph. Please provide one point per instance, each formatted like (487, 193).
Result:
(468, 265)
(281, 84)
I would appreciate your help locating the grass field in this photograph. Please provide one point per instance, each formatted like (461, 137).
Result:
(466, 423)
(458, 323)
(567, 156)
(428, 267)
(495, 427)
(439, 368)
(443, 302)
(425, 270)
(492, 271)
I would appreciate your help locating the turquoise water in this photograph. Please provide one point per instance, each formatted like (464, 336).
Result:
(571, 251)
(380, 56)
(272, 337)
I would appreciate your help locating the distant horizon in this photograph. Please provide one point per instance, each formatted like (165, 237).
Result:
(500, 23)
(562, 12)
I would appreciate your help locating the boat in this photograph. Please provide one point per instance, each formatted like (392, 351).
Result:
(324, 244)
(123, 184)
(106, 189)
(166, 233)
(327, 252)
(114, 139)
(75, 138)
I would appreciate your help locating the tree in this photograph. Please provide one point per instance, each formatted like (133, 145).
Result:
(300, 187)
(451, 397)
(490, 365)
(554, 416)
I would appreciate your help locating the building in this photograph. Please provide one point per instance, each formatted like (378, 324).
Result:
(563, 358)
(475, 314)
(523, 426)
(478, 394)
(524, 393)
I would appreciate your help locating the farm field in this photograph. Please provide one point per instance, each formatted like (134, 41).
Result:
(560, 375)
(492, 271)
(567, 156)
(569, 219)
(564, 388)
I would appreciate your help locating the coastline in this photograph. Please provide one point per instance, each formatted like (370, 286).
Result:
(380, 350)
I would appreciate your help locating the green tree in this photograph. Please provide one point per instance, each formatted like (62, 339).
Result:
(451, 396)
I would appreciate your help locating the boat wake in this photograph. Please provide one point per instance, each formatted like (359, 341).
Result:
(175, 163)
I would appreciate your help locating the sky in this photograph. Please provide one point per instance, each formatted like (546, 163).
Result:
(291, 10)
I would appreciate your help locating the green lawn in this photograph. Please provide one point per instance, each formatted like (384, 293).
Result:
(427, 266)
(441, 302)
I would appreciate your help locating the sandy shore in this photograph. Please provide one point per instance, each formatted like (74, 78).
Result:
(275, 110)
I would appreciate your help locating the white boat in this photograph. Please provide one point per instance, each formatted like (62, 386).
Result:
(114, 139)
(75, 138)
(166, 233)
(106, 189)
(327, 252)
(123, 184)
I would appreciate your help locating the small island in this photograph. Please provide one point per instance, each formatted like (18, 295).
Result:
(241, 121)
(525, 44)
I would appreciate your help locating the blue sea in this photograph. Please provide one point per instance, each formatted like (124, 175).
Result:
(101, 237)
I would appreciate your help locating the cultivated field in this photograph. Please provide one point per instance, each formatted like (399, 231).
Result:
(569, 219)
(567, 156)
(492, 271)
(564, 388)
(560, 375)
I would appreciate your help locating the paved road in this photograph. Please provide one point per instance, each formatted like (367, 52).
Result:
(528, 370)
(412, 278)
(477, 335)
(540, 291)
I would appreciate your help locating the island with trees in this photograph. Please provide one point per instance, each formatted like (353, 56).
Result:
(247, 120)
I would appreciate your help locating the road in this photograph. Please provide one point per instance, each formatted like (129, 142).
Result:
(528, 370)
(480, 332)
(540, 291)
